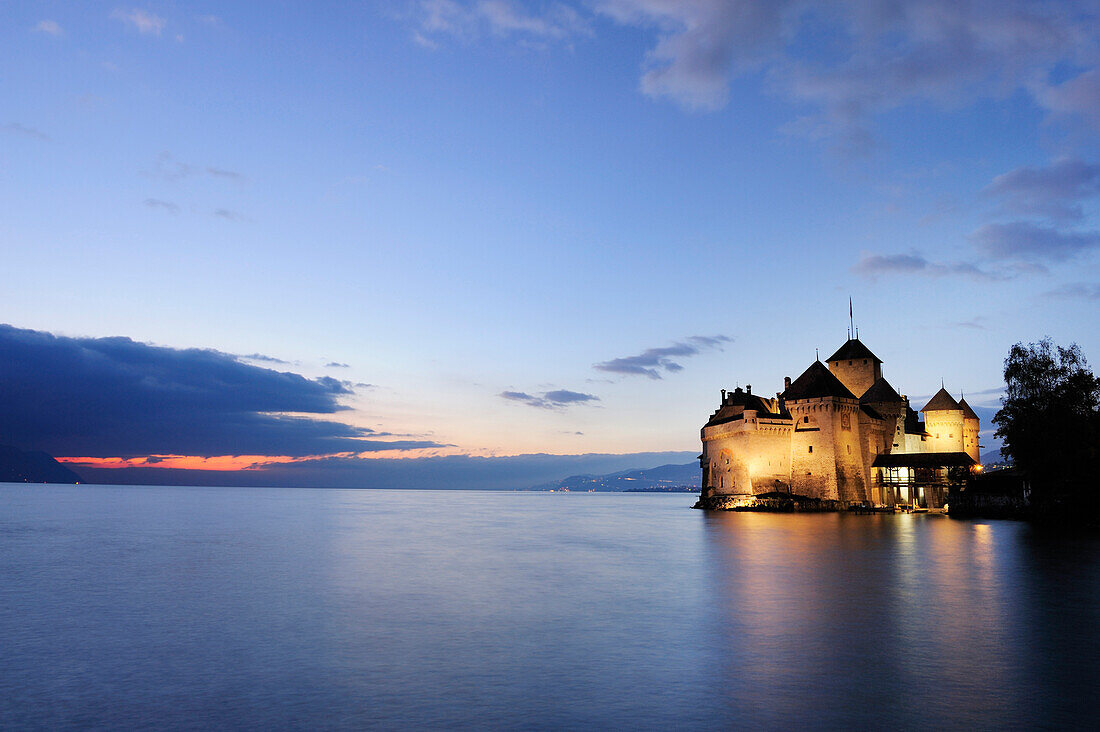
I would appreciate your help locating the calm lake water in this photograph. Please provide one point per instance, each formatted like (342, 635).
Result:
(124, 607)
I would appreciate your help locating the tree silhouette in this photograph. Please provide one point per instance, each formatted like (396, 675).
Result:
(1050, 422)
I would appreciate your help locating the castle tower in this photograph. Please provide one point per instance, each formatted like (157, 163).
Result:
(826, 450)
(746, 446)
(943, 420)
(856, 367)
(971, 427)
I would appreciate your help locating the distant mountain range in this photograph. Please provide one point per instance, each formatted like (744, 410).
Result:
(664, 478)
(17, 466)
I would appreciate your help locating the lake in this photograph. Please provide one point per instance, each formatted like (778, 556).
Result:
(187, 608)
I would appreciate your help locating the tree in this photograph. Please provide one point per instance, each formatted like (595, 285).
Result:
(1050, 422)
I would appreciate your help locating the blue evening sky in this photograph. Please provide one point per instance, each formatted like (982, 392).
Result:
(496, 213)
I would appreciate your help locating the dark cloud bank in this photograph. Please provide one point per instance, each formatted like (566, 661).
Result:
(114, 397)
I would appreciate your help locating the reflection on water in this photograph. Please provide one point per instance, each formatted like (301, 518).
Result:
(852, 619)
(187, 608)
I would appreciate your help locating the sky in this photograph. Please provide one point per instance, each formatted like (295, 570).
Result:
(244, 236)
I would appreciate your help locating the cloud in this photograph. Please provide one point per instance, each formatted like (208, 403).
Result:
(1076, 291)
(166, 205)
(556, 399)
(143, 21)
(652, 361)
(1076, 97)
(702, 44)
(846, 62)
(1054, 191)
(109, 397)
(227, 174)
(166, 167)
(230, 215)
(335, 365)
(15, 128)
(1023, 240)
(501, 18)
(874, 265)
(266, 359)
(49, 27)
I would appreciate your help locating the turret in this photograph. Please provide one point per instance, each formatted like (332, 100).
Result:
(972, 425)
(943, 419)
(856, 367)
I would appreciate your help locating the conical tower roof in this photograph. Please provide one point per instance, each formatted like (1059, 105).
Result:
(968, 413)
(852, 349)
(941, 402)
(880, 391)
(816, 382)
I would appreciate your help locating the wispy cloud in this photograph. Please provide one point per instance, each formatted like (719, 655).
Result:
(165, 205)
(556, 399)
(1055, 191)
(142, 21)
(914, 263)
(167, 167)
(263, 358)
(1024, 240)
(226, 174)
(877, 56)
(652, 361)
(49, 27)
(15, 128)
(500, 18)
(230, 215)
(1075, 97)
(336, 365)
(1076, 291)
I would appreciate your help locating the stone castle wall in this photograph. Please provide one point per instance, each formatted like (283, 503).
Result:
(945, 428)
(747, 456)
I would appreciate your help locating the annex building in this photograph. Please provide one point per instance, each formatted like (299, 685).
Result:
(839, 433)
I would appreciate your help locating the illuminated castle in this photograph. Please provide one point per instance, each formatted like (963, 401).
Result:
(838, 433)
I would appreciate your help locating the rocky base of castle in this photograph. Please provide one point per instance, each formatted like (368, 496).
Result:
(769, 503)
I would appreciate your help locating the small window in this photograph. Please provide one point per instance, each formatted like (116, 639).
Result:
(849, 363)
(811, 448)
(849, 449)
(806, 420)
(864, 362)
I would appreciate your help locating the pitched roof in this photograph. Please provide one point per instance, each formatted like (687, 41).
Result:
(968, 413)
(852, 349)
(737, 401)
(913, 425)
(940, 402)
(816, 382)
(880, 391)
(922, 460)
(870, 412)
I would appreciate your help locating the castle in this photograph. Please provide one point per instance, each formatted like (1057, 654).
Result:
(840, 434)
